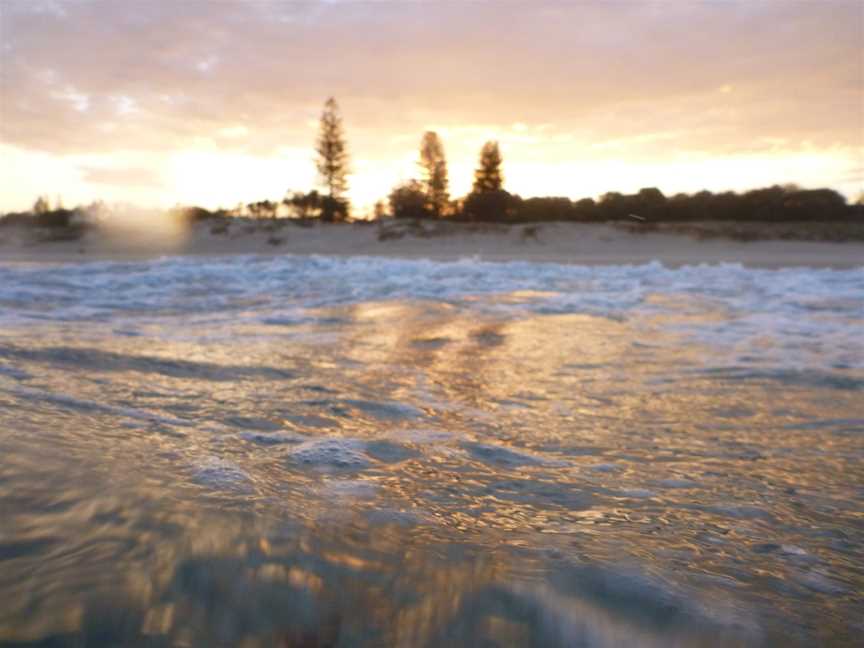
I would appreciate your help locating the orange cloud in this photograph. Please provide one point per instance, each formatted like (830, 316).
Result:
(563, 87)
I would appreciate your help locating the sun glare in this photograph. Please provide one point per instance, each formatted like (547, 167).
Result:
(213, 179)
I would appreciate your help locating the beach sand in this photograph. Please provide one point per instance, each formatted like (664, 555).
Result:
(548, 242)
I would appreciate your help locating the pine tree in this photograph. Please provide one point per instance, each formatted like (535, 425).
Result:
(488, 176)
(488, 201)
(41, 205)
(332, 161)
(434, 166)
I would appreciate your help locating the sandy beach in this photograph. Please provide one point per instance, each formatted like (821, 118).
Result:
(550, 242)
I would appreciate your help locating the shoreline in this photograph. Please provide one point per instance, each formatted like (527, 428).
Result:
(559, 243)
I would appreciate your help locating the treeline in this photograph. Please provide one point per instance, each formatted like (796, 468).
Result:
(43, 215)
(428, 197)
(770, 204)
(410, 201)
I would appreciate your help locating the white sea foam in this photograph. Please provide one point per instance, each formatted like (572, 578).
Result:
(215, 472)
(638, 493)
(332, 453)
(272, 438)
(806, 315)
(465, 436)
(349, 489)
(500, 455)
(605, 467)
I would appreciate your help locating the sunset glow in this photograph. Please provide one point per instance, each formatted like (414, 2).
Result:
(453, 323)
(216, 104)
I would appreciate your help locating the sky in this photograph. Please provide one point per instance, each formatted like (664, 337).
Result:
(216, 102)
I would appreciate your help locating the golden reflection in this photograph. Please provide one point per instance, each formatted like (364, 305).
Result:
(164, 483)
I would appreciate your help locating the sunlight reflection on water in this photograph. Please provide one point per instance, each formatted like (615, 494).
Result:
(228, 468)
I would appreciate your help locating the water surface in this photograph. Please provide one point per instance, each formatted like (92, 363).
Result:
(314, 451)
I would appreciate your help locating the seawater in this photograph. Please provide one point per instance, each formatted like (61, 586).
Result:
(321, 451)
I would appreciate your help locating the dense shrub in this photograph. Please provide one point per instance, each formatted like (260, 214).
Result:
(408, 200)
(491, 206)
(771, 204)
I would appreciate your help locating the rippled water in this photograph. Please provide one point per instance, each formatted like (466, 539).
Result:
(311, 451)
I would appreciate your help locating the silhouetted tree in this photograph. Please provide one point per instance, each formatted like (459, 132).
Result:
(434, 166)
(585, 210)
(799, 204)
(649, 203)
(194, 214)
(775, 204)
(334, 209)
(494, 205)
(304, 205)
(333, 162)
(409, 200)
(253, 209)
(41, 206)
(263, 209)
(856, 210)
(613, 206)
(546, 209)
(488, 201)
(380, 210)
(488, 176)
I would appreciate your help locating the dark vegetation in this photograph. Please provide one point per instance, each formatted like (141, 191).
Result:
(57, 224)
(784, 212)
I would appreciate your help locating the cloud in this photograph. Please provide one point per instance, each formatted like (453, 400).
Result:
(273, 63)
(89, 77)
(121, 176)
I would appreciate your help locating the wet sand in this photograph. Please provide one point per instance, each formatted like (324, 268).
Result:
(550, 242)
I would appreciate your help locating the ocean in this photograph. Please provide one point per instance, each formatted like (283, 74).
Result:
(349, 451)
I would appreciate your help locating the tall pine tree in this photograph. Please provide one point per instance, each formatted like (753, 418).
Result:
(434, 166)
(332, 162)
(488, 201)
(488, 175)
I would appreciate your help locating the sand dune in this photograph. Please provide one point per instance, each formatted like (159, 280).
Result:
(550, 242)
